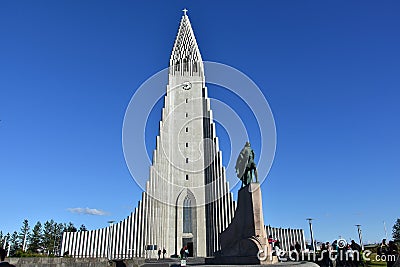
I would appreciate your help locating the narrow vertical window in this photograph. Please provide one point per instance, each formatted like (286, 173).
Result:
(187, 100)
(187, 129)
(187, 177)
(187, 160)
(187, 215)
(186, 115)
(187, 144)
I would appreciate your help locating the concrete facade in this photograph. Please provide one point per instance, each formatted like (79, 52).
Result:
(187, 199)
(287, 237)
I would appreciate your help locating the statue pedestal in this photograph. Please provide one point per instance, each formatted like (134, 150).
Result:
(245, 240)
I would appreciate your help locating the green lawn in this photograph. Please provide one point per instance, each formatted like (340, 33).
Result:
(373, 261)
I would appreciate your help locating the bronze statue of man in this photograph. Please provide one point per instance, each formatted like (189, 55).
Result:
(245, 165)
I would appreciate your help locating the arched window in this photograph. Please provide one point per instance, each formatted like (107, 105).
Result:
(187, 215)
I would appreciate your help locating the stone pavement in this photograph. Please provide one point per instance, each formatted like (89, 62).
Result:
(201, 262)
(103, 262)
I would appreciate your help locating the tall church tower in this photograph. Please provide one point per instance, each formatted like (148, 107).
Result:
(187, 161)
(187, 200)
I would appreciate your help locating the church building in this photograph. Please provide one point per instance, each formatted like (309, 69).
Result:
(187, 201)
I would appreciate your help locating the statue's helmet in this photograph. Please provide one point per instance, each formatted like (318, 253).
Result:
(247, 143)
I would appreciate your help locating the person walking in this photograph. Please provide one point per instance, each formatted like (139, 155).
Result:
(186, 252)
(392, 254)
(383, 248)
(357, 252)
(159, 254)
(350, 256)
(164, 251)
(297, 246)
(277, 249)
(271, 240)
(325, 259)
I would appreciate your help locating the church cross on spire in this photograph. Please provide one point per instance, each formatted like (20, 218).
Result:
(184, 11)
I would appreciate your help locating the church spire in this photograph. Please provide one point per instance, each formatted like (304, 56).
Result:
(185, 57)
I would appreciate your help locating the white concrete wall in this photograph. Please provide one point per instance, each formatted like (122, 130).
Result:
(158, 218)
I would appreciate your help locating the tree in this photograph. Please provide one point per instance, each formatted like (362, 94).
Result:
(58, 232)
(396, 231)
(52, 234)
(36, 239)
(14, 243)
(82, 228)
(70, 227)
(24, 235)
(48, 236)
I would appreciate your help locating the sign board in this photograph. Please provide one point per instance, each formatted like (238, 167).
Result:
(151, 247)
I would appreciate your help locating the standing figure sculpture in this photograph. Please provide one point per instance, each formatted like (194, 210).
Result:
(245, 165)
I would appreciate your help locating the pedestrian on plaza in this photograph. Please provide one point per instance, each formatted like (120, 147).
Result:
(350, 256)
(392, 254)
(293, 254)
(277, 248)
(164, 251)
(271, 241)
(297, 246)
(383, 248)
(357, 252)
(325, 260)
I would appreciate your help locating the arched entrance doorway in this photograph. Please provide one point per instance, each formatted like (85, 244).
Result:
(186, 223)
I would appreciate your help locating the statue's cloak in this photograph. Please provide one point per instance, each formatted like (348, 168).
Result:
(242, 161)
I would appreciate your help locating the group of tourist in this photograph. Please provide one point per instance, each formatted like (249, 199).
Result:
(350, 255)
(388, 252)
(277, 250)
(337, 254)
(340, 255)
(164, 251)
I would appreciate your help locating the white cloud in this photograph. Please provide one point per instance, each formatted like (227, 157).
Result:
(87, 211)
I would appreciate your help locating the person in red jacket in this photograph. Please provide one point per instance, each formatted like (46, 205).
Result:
(271, 241)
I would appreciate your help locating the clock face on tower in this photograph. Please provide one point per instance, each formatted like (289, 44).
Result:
(186, 85)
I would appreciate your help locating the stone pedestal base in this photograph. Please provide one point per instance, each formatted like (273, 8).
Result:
(245, 239)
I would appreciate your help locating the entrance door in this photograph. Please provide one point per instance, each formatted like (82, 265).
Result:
(188, 243)
(190, 248)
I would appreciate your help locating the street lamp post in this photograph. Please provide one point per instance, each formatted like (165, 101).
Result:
(111, 223)
(360, 235)
(312, 234)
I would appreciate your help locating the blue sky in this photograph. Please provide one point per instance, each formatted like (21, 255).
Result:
(329, 70)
